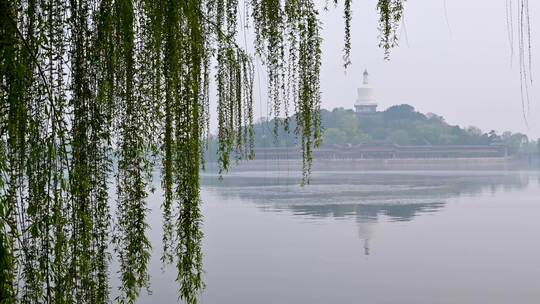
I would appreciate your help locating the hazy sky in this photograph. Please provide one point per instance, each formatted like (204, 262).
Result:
(458, 67)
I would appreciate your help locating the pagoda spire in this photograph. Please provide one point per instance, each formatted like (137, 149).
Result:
(366, 74)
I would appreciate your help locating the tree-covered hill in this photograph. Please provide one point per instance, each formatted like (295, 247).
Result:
(399, 124)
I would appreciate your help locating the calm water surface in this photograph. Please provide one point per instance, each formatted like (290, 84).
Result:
(370, 237)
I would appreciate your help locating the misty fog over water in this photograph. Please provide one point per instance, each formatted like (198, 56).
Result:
(365, 237)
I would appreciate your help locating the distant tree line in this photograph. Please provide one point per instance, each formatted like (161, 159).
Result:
(399, 124)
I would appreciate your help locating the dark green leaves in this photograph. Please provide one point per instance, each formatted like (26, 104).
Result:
(96, 91)
(390, 13)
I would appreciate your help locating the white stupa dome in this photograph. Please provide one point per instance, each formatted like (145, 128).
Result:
(365, 103)
(366, 93)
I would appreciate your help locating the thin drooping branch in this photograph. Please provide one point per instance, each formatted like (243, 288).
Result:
(95, 93)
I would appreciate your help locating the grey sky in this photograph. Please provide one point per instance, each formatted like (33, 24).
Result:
(459, 67)
(462, 71)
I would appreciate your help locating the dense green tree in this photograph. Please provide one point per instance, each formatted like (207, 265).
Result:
(514, 141)
(101, 90)
(401, 125)
(335, 136)
(400, 137)
(401, 112)
(85, 83)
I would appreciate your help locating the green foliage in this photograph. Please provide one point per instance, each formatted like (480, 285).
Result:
(344, 121)
(400, 124)
(390, 14)
(92, 90)
(347, 12)
(334, 136)
(515, 142)
(98, 90)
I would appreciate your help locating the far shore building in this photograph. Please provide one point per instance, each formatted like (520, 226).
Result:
(380, 150)
(366, 102)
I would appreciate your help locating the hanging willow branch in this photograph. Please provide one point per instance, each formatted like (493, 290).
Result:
(390, 14)
(100, 92)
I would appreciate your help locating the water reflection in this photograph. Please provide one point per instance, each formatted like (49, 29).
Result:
(366, 197)
(368, 215)
(400, 195)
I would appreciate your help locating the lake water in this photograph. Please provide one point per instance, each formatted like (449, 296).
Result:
(369, 237)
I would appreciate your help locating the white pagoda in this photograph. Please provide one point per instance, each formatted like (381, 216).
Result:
(366, 101)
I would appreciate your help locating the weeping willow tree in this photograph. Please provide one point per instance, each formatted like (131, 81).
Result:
(96, 94)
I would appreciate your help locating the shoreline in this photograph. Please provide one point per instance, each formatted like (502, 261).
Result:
(405, 164)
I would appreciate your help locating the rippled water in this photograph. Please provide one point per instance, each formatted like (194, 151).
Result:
(370, 237)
